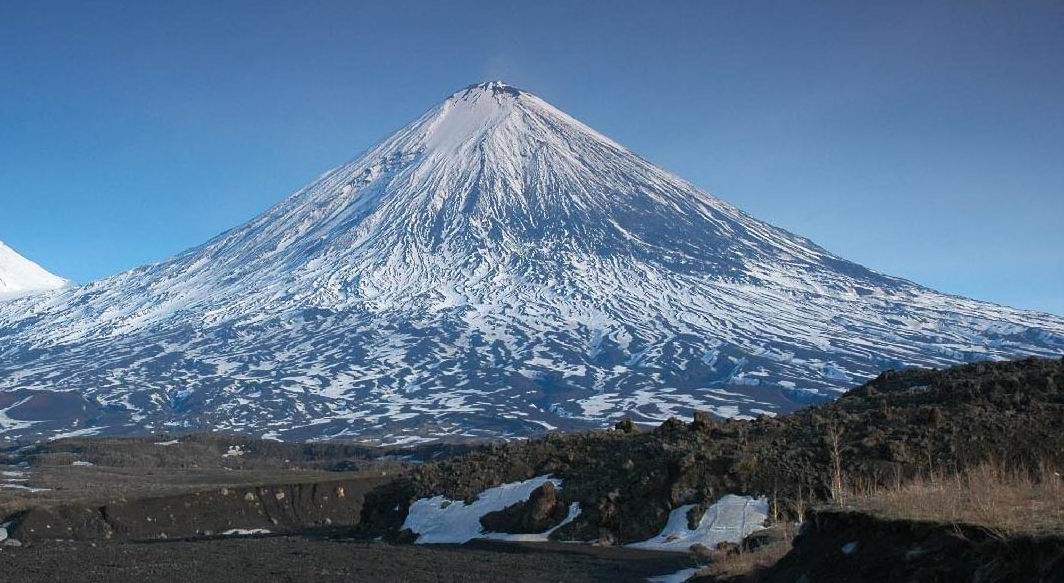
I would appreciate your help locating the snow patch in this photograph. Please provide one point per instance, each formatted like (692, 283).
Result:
(729, 519)
(245, 531)
(76, 433)
(677, 577)
(439, 520)
(272, 436)
(24, 488)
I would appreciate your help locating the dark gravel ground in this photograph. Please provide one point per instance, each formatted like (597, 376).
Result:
(301, 559)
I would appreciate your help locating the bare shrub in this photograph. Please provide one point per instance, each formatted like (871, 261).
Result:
(834, 438)
(799, 505)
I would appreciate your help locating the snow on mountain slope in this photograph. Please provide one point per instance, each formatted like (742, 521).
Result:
(494, 268)
(20, 276)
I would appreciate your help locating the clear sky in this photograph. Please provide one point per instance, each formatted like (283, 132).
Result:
(922, 139)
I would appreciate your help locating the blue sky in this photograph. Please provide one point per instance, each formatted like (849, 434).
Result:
(922, 139)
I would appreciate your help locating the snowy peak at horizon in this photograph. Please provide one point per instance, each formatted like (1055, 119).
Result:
(20, 276)
(480, 109)
(500, 166)
(493, 268)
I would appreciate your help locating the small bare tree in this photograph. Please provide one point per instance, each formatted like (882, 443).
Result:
(798, 505)
(835, 444)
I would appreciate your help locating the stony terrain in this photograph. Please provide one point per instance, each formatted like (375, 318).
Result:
(175, 508)
(200, 484)
(625, 481)
(899, 424)
(301, 559)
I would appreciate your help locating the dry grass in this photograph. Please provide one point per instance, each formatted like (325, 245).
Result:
(746, 565)
(1004, 500)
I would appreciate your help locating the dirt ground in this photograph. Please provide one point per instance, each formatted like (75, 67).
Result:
(302, 559)
(82, 484)
(130, 493)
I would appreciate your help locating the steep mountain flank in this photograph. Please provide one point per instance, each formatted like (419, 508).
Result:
(21, 277)
(494, 268)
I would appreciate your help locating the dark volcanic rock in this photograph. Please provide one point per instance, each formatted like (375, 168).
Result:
(844, 546)
(900, 424)
(540, 512)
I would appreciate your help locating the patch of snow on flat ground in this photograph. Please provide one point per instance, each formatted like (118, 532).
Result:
(729, 519)
(245, 531)
(29, 489)
(677, 577)
(438, 520)
(11, 479)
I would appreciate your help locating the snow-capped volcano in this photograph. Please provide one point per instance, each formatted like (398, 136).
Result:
(20, 276)
(494, 268)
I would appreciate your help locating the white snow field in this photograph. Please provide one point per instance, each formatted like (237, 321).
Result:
(494, 268)
(20, 276)
(730, 519)
(438, 520)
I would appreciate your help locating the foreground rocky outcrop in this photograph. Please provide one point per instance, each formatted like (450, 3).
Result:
(848, 546)
(900, 424)
(542, 511)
